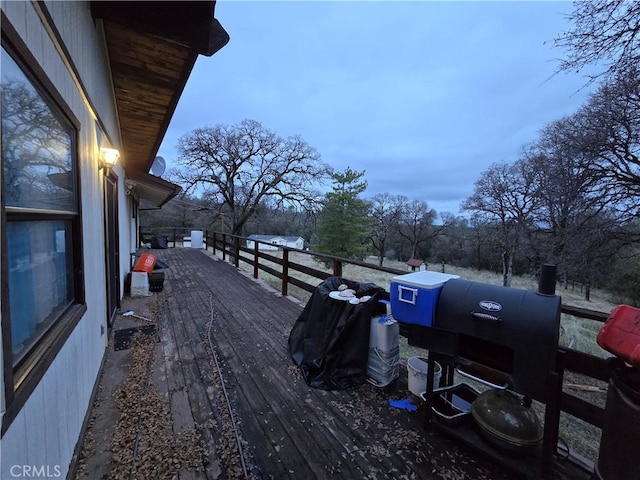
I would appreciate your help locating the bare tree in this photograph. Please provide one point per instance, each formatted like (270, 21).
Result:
(480, 226)
(244, 165)
(571, 190)
(455, 244)
(505, 194)
(605, 32)
(611, 120)
(594, 249)
(384, 214)
(416, 224)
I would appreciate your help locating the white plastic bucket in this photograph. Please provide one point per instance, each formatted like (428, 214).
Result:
(417, 369)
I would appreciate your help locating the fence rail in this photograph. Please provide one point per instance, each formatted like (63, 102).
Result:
(174, 236)
(232, 248)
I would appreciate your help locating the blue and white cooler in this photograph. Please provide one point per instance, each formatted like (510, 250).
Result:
(414, 296)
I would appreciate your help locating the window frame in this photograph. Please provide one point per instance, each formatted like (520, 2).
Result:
(21, 379)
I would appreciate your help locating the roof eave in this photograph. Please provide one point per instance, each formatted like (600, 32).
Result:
(155, 190)
(152, 48)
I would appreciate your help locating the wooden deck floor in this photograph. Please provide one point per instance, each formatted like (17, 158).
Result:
(211, 315)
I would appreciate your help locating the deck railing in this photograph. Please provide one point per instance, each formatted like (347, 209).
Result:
(233, 247)
(175, 236)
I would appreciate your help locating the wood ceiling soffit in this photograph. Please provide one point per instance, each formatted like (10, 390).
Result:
(146, 54)
(188, 23)
(148, 77)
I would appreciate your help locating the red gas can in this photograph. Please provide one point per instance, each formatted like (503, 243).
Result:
(620, 334)
(145, 263)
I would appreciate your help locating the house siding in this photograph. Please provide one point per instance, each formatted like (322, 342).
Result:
(262, 246)
(46, 430)
(277, 242)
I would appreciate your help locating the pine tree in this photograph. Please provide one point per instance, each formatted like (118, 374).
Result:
(342, 222)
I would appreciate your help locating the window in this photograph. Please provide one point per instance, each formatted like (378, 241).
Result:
(41, 231)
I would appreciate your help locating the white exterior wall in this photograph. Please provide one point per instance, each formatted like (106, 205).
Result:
(133, 237)
(87, 50)
(268, 246)
(261, 246)
(45, 432)
(277, 242)
(126, 236)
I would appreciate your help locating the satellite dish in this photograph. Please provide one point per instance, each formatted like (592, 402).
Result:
(158, 166)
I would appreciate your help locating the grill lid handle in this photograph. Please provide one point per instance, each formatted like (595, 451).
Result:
(486, 317)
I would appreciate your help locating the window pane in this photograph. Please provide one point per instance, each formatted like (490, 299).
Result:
(36, 146)
(40, 278)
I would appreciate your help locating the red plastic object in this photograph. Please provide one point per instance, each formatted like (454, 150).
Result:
(145, 263)
(620, 334)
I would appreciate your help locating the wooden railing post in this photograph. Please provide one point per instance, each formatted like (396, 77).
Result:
(236, 248)
(337, 268)
(174, 238)
(285, 271)
(256, 259)
(224, 246)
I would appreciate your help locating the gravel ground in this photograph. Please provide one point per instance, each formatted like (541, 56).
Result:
(143, 444)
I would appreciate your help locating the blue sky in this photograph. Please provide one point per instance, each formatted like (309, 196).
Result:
(422, 96)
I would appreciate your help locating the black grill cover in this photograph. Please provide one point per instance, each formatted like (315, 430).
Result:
(330, 339)
(159, 241)
(511, 330)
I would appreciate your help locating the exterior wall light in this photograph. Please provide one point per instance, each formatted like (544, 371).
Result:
(108, 157)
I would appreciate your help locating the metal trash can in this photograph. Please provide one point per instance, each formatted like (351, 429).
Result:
(618, 456)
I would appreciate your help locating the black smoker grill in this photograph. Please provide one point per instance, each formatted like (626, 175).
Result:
(503, 337)
(514, 332)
